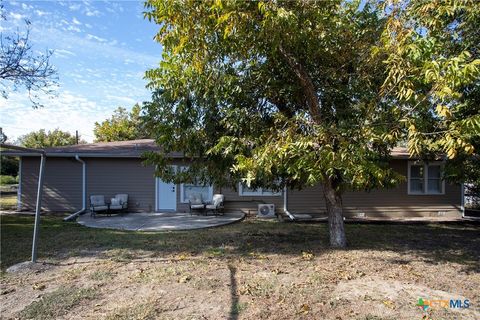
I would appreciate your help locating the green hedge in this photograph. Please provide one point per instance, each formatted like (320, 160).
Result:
(8, 180)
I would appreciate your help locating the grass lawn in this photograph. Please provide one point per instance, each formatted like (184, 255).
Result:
(249, 270)
(8, 202)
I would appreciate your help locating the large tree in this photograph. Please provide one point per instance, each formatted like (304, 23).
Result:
(44, 139)
(278, 93)
(123, 125)
(287, 93)
(21, 66)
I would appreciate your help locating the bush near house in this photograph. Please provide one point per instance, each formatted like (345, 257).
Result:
(8, 179)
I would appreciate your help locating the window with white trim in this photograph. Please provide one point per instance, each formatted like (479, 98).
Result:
(243, 190)
(425, 178)
(187, 189)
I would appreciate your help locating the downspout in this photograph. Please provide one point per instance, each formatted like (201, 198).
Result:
(19, 189)
(285, 204)
(73, 216)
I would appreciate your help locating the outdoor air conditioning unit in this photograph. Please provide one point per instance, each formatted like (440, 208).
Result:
(266, 211)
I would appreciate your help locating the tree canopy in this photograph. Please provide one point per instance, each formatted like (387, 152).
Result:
(433, 50)
(288, 93)
(123, 125)
(44, 139)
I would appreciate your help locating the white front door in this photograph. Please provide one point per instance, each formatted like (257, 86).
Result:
(166, 196)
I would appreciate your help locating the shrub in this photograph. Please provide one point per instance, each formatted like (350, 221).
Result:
(8, 180)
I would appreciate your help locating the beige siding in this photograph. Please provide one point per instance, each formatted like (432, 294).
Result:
(62, 184)
(111, 176)
(385, 202)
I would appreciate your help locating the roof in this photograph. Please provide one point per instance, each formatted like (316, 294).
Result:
(129, 149)
(115, 149)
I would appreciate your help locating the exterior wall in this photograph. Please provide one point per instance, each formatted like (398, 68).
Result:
(248, 204)
(236, 203)
(395, 202)
(112, 176)
(106, 176)
(62, 184)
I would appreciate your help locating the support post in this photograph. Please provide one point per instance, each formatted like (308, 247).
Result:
(38, 208)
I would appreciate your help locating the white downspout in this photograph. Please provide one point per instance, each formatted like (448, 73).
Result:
(84, 191)
(19, 189)
(285, 204)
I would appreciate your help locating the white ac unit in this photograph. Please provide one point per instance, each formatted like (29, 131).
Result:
(266, 211)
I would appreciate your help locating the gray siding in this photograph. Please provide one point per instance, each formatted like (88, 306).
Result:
(62, 184)
(393, 202)
(107, 176)
(111, 176)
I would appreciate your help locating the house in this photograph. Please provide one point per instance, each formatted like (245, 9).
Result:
(116, 167)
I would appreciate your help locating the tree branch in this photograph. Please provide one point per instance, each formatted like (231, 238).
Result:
(306, 83)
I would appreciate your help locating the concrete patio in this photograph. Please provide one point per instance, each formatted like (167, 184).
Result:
(158, 221)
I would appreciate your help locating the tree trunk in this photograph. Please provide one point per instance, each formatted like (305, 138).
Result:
(336, 227)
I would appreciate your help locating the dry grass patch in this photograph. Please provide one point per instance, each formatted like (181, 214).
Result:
(250, 270)
(57, 303)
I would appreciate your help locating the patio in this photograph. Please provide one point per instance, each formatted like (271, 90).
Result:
(158, 221)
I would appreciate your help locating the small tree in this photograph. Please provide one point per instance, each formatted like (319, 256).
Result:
(123, 125)
(43, 139)
(21, 67)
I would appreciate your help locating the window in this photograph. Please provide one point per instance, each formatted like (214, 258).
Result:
(243, 190)
(425, 178)
(187, 189)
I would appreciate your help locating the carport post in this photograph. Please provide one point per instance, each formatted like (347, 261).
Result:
(38, 208)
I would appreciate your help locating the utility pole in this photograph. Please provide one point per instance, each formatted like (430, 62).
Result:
(76, 136)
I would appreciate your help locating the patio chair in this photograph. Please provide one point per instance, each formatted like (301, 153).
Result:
(97, 205)
(119, 203)
(216, 205)
(195, 202)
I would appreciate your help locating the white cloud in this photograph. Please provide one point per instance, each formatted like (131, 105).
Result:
(122, 99)
(74, 7)
(75, 21)
(93, 37)
(41, 13)
(26, 6)
(73, 28)
(17, 16)
(68, 112)
(62, 53)
(92, 13)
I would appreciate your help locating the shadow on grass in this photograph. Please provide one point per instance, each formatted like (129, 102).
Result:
(437, 243)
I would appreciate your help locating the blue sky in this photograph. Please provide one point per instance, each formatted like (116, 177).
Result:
(101, 51)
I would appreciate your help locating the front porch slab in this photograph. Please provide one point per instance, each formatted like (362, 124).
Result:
(158, 221)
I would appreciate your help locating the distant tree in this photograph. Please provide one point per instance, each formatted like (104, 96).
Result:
(8, 165)
(43, 139)
(22, 67)
(122, 126)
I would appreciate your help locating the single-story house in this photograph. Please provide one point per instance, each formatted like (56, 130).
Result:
(73, 173)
